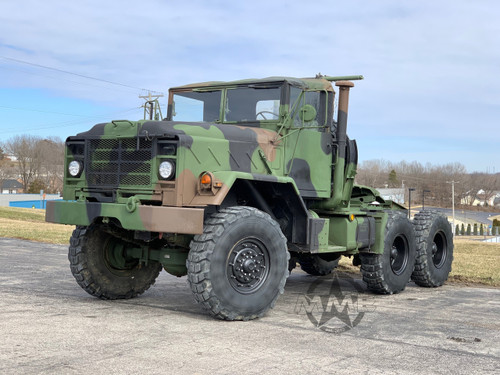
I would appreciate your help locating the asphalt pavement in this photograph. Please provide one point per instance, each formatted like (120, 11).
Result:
(469, 216)
(49, 325)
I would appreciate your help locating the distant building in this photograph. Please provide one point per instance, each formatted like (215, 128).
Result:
(11, 186)
(494, 200)
(480, 199)
(396, 194)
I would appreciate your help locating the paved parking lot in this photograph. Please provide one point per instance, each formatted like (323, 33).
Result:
(319, 326)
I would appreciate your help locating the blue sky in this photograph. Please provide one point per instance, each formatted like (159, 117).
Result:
(431, 91)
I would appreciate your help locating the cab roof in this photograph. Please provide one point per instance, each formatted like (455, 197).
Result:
(303, 83)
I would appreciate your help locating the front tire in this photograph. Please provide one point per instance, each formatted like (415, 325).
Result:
(389, 272)
(434, 249)
(99, 264)
(238, 267)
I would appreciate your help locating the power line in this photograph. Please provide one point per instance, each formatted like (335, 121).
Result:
(75, 74)
(59, 78)
(68, 123)
(41, 111)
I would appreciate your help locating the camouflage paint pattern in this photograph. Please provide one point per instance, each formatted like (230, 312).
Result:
(120, 161)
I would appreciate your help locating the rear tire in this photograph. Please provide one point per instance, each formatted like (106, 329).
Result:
(389, 272)
(98, 263)
(317, 265)
(238, 267)
(434, 249)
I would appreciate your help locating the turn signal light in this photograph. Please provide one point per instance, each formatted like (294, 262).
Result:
(206, 179)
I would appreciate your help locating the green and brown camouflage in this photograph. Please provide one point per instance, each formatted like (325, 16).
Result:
(268, 143)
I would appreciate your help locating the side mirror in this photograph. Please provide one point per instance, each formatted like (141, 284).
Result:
(307, 113)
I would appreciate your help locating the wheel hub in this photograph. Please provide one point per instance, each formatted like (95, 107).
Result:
(247, 266)
(115, 256)
(394, 253)
(434, 249)
(439, 250)
(399, 255)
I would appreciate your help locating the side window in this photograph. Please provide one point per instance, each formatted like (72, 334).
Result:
(309, 111)
(294, 97)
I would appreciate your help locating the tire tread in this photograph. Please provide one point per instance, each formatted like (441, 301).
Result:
(198, 262)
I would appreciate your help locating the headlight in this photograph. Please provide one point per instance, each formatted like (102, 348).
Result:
(166, 169)
(75, 168)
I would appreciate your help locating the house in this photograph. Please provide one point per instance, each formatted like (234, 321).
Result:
(494, 201)
(481, 199)
(11, 186)
(395, 194)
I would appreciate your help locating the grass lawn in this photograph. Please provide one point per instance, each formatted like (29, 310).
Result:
(475, 262)
(29, 224)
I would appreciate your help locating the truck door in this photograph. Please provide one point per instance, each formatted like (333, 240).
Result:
(309, 145)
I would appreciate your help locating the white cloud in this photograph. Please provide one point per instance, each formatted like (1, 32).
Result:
(431, 66)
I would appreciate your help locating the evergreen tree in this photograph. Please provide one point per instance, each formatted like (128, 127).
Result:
(468, 229)
(457, 230)
(462, 230)
(393, 179)
(475, 229)
(36, 186)
(481, 229)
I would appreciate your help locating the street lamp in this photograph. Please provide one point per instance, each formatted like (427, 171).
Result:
(423, 198)
(453, 199)
(409, 201)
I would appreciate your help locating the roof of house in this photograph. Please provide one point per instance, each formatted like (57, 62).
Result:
(11, 184)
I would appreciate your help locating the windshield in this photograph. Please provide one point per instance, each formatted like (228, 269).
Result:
(242, 104)
(252, 104)
(196, 106)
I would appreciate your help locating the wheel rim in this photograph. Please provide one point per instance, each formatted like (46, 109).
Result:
(439, 249)
(248, 265)
(115, 257)
(399, 255)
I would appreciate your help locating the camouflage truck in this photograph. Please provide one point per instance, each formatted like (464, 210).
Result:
(237, 184)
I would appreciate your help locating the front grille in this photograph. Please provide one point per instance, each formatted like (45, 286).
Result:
(118, 162)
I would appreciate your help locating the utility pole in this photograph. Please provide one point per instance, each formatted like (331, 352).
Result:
(152, 106)
(453, 200)
(403, 189)
(409, 201)
(423, 198)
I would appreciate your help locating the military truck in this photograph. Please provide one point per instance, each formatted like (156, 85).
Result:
(237, 184)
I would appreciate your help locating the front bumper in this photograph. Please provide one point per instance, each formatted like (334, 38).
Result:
(144, 218)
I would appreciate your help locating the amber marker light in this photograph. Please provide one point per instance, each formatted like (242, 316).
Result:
(206, 179)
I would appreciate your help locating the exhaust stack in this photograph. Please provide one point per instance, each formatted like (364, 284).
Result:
(344, 87)
(339, 173)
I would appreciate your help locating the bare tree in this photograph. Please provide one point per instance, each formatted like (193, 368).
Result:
(52, 163)
(7, 169)
(24, 149)
(420, 177)
(372, 173)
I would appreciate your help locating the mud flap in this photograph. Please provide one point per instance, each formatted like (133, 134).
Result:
(318, 235)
